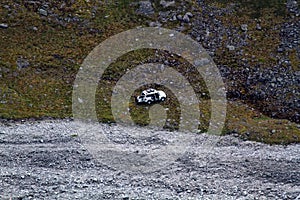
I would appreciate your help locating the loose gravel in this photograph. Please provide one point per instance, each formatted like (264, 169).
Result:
(50, 160)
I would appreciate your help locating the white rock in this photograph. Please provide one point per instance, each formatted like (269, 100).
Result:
(3, 25)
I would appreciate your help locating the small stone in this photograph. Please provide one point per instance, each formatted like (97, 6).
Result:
(179, 17)
(279, 79)
(34, 28)
(145, 8)
(166, 4)
(3, 25)
(273, 131)
(280, 50)
(80, 100)
(230, 47)
(43, 12)
(244, 27)
(186, 18)
(189, 14)
(258, 27)
(95, 180)
(202, 62)
(155, 24)
(22, 63)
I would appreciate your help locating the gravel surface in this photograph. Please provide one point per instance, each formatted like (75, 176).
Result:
(46, 160)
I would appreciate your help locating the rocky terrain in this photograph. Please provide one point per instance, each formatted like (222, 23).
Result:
(48, 160)
(272, 87)
(255, 45)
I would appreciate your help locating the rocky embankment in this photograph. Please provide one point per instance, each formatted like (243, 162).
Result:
(48, 160)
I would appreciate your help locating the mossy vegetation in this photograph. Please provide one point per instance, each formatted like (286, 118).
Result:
(254, 8)
(55, 50)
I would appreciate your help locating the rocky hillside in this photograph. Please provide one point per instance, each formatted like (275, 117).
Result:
(254, 44)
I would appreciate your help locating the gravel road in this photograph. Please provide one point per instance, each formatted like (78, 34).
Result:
(47, 160)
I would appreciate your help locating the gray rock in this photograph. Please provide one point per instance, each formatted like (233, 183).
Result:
(43, 12)
(186, 18)
(145, 8)
(244, 27)
(179, 17)
(258, 27)
(3, 25)
(166, 4)
(155, 24)
(189, 14)
(230, 47)
(22, 63)
(280, 50)
(174, 18)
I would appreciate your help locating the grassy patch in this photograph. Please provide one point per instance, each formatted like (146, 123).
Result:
(253, 8)
(253, 125)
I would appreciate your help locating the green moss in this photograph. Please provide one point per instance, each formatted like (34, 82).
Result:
(254, 8)
(295, 60)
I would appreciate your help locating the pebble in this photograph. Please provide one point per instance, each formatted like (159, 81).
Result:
(280, 50)
(166, 4)
(186, 18)
(155, 24)
(22, 63)
(230, 47)
(4, 26)
(258, 27)
(145, 8)
(244, 27)
(179, 17)
(43, 12)
(189, 14)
